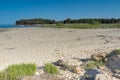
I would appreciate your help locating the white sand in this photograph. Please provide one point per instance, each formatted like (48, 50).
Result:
(42, 45)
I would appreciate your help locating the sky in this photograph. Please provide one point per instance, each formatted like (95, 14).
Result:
(12, 10)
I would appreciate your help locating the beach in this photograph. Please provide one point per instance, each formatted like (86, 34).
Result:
(43, 45)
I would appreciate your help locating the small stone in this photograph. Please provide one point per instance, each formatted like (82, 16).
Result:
(101, 67)
(60, 63)
(67, 76)
(37, 73)
(41, 72)
(76, 76)
(77, 70)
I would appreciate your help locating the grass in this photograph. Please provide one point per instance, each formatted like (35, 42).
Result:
(83, 26)
(14, 72)
(92, 64)
(50, 68)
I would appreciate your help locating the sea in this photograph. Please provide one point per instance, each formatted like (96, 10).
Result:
(12, 26)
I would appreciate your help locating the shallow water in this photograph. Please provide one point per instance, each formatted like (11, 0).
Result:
(11, 26)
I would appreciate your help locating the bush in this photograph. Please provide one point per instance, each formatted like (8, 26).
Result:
(13, 72)
(50, 68)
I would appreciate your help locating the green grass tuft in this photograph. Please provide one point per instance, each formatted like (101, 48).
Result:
(50, 68)
(13, 72)
(92, 64)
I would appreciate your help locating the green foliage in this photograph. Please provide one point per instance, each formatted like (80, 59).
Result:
(50, 68)
(13, 72)
(35, 21)
(68, 21)
(92, 64)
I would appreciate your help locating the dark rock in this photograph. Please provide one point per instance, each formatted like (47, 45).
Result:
(60, 63)
(113, 63)
(91, 74)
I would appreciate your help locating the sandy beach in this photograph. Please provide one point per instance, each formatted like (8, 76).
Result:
(42, 45)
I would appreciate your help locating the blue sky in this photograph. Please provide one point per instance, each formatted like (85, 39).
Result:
(12, 10)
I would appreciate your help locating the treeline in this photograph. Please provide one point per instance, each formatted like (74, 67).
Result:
(35, 21)
(67, 21)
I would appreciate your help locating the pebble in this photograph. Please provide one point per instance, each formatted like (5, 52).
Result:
(41, 72)
(37, 73)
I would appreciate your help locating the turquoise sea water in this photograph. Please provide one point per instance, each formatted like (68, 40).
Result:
(11, 26)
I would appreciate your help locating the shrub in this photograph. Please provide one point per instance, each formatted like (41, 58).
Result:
(13, 72)
(92, 64)
(50, 68)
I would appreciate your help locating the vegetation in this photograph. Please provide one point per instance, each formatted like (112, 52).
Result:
(83, 26)
(117, 51)
(114, 52)
(14, 72)
(92, 64)
(35, 21)
(50, 68)
(68, 21)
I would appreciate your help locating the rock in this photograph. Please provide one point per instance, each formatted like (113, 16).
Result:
(116, 71)
(41, 72)
(114, 52)
(91, 73)
(60, 63)
(101, 77)
(64, 65)
(77, 70)
(113, 62)
(37, 73)
(96, 74)
(99, 56)
(115, 78)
